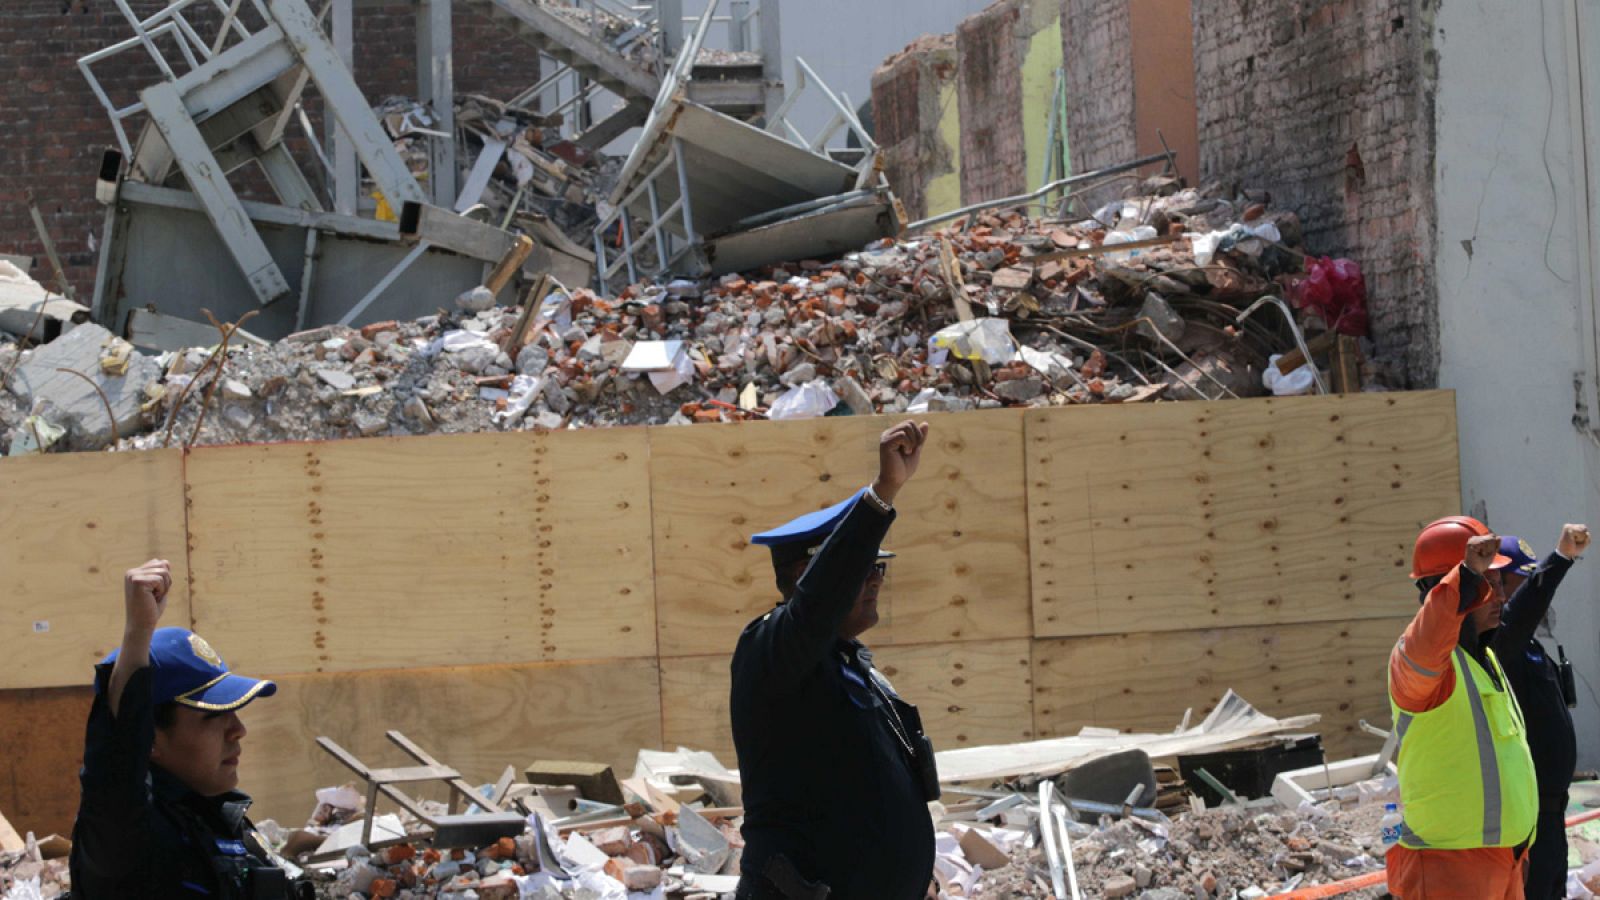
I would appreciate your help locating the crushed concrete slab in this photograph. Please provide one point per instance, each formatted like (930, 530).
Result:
(72, 402)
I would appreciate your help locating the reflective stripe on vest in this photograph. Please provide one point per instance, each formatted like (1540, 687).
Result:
(1432, 748)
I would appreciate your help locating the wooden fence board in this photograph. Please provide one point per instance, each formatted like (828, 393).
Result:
(969, 693)
(478, 719)
(1200, 515)
(1144, 682)
(472, 549)
(962, 572)
(73, 524)
(41, 749)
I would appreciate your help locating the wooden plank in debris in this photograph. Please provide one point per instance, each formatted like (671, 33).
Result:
(1170, 517)
(367, 554)
(476, 719)
(1144, 682)
(962, 570)
(42, 733)
(73, 524)
(969, 693)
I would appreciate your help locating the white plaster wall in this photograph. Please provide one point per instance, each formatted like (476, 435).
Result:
(1515, 171)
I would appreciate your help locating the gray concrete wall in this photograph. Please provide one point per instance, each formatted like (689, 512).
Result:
(1516, 269)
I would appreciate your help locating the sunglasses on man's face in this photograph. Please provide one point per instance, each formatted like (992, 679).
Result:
(882, 568)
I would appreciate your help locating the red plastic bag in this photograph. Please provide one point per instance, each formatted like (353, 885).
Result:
(1335, 290)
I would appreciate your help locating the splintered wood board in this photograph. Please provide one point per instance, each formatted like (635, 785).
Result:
(1144, 682)
(370, 554)
(969, 693)
(962, 570)
(477, 719)
(72, 525)
(1176, 516)
(41, 750)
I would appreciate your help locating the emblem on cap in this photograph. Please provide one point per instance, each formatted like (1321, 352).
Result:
(1527, 550)
(203, 650)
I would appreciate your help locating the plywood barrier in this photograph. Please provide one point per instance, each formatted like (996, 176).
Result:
(478, 719)
(1204, 515)
(41, 748)
(1145, 681)
(962, 572)
(968, 692)
(424, 551)
(579, 593)
(72, 524)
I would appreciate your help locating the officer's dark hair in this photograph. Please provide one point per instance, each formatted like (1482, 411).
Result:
(166, 714)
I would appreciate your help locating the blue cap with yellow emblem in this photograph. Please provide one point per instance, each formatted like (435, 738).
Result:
(1523, 560)
(800, 537)
(186, 670)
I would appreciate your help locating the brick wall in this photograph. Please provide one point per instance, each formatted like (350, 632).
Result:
(56, 130)
(989, 91)
(1328, 105)
(1098, 53)
(906, 112)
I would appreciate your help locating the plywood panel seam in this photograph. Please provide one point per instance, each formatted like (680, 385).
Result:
(188, 534)
(655, 589)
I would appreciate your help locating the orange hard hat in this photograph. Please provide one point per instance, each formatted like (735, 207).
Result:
(1443, 545)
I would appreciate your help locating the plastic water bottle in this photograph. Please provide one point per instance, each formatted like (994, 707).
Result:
(1389, 827)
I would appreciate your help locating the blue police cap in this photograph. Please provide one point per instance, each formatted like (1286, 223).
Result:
(798, 537)
(1523, 560)
(186, 670)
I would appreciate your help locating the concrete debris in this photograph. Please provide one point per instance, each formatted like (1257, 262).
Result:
(1226, 852)
(64, 383)
(883, 330)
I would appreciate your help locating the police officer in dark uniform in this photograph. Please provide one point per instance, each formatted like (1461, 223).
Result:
(1536, 679)
(159, 816)
(837, 772)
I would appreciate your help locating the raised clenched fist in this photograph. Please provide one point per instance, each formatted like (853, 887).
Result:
(144, 594)
(1574, 540)
(899, 453)
(1481, 552)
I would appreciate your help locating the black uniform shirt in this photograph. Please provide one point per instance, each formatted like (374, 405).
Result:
(1533, 677)
(141, 833)
(827, 781)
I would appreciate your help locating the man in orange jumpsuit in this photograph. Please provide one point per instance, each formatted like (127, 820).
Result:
(1466, 776)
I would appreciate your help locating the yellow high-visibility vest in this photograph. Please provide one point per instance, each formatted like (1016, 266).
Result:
(1466, 776)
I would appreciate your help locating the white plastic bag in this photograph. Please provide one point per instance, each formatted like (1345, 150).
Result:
(805, 401)
(1298, 381)
(988, 339)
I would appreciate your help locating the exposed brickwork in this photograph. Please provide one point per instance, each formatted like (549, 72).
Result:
(56, 130)
(906, 94)
(1328, 105)
(1098, 53)
(989, 89)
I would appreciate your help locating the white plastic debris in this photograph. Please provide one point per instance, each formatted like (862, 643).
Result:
(805, 401)
(524, 390)
(988, 339)
(1298, 381)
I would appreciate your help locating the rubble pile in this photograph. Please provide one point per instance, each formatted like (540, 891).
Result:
(37, 871)
(999, 310)
(1239, 852)
(538, 175)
